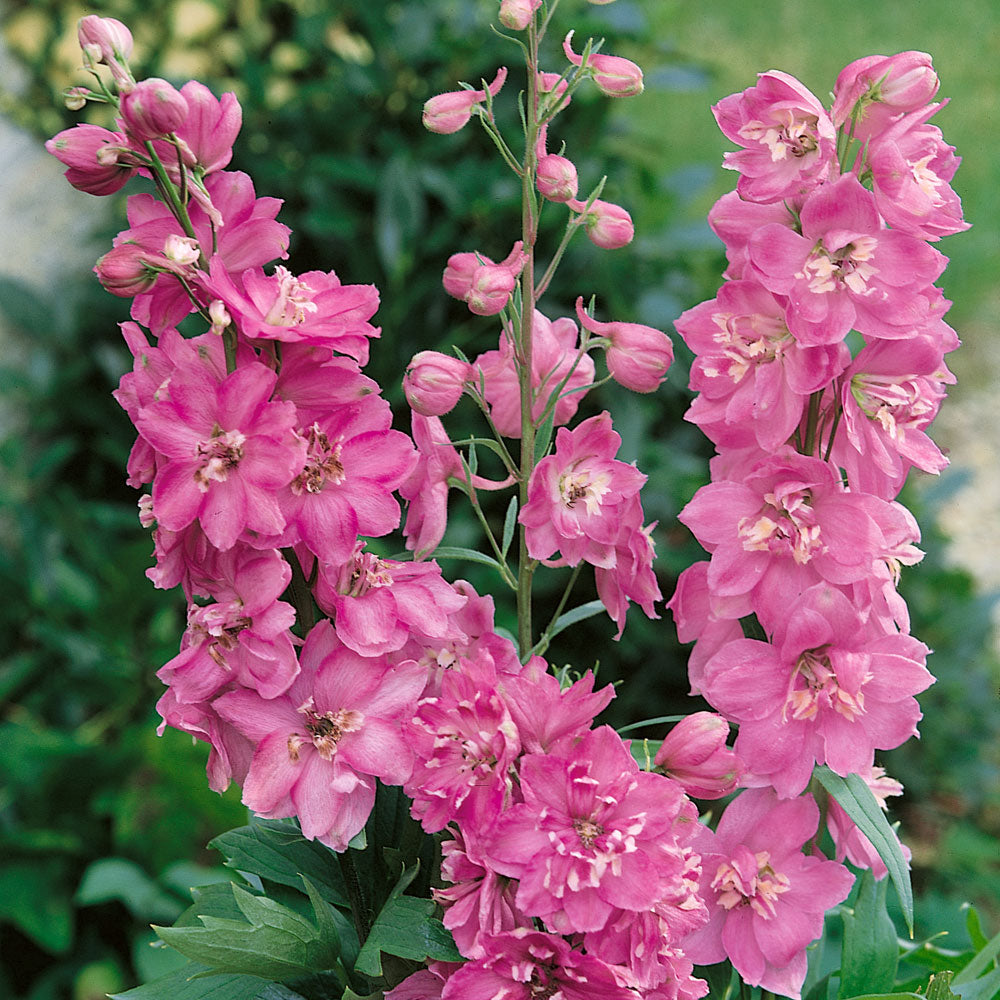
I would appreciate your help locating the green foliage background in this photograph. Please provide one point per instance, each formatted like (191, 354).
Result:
(102, 823)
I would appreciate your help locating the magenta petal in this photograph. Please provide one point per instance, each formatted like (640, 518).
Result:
(273, 772)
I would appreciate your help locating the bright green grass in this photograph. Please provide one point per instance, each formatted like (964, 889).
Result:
(736, 40)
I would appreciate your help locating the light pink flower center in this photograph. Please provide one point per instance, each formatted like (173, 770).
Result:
(829, 270)
(220, 624)
(894, 403)
(748, 341)
(927, 180)
(584, 486)
(786, 135)
(749, 880)
(364, 573)
(323, 731)
(293, 300)
(787, 523)
(220, 453)
(814, 685)
(323, 463)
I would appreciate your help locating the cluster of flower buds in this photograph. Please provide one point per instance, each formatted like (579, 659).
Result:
(829, 231)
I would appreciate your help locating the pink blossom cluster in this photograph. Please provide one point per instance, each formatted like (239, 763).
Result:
(818, 368)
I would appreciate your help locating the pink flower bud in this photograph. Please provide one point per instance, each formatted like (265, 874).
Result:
(75, 98)
(105, 36)
(517, 14)
(219, 315)
(903, 82)
(556, 178)
(609, 226)
(614, 76)
(434, 382)
(97, 158)
(451, 111)
(695, 755)
(490, 289)
(638, 356)
(153, 109)
(181, 249)
(457, 277)
(126, 271)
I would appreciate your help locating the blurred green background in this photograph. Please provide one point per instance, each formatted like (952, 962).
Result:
(102, 823)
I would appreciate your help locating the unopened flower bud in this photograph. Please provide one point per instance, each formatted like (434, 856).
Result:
(490, 289)
(638, 356)
(556, 178)
(105, 36)
(126, 271)
(517, 14)
(181, 249)
(434, 382)
(695, 755)
(877, 88)
(614, 76)
(94, 158)
(153, 109)
(75, 98)
(451, 111)
(219, 315)
(609, 226)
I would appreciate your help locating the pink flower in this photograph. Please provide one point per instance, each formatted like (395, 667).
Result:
(127, 271)
(556, 178)
(517, 14)
(447, 113)
(766, 899)
(555, 358)
(226, 448)
(631, 578)
(594, 834)
(826, 689)
(484, 286)
(753, 378)
(111, 39)
(787, 137)
(846, 270)
(576, 497)
(320, 746)
(525, 964)
(434, 382)
(638, 356)
(465, 742)
(211, 127)
(734, 221)
(695, 755)
(614, 76)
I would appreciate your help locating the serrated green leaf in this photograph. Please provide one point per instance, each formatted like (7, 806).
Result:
(275, 943)
(870, 954)
(407, 928)
(509, 524)
(857, 800)
(279, 853)
(183, 985)
(469, 555)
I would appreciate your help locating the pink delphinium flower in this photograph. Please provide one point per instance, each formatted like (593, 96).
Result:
(449, 112)
(614, 75)
(98, 161)
(594, 834)
(734, 221)
(226, 448)
(845, 270)
(525, 964)
(465, 741)
(320, 746)
(787, 137)
(753, 378)
(434, 382)
(828, 690)
(152, 109)
(608, 226)
(555, 356)
(576, 497)
(766, 899)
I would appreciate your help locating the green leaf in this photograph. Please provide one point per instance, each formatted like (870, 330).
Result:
(658, 720)
(279, 853)
(939, 986)
(191, 983)
(509, 524)
(34, 897)
(975, 928)
(871, 952)
(543, 437)
(117, 878)
(469, 555)
(857, 800)
(977, 989)
(272, 941)
(579, 614)
(644, 752)
(407, 928)
(980, 963)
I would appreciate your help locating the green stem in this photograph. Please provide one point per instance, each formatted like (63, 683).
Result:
(811, 421)
(166, 185)
(543, 643)
(300, 593)
(526, 565)
(497, 551)
(361, 910)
